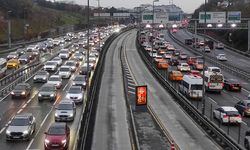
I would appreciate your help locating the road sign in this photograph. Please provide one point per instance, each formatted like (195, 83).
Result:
(147, 17)
(234, 16)
(212, 17)
(141, 95)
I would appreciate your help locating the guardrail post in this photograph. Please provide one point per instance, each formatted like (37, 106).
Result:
(228, 125)
(211, 111)
(239, 134)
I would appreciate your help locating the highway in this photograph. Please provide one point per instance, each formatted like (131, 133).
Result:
(183, 130)
(226, 98)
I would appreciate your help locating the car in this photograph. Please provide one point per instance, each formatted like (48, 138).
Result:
(227, 114)
(12, 55)
(56, 80)
(183, 56)
(21, 127)
(232, 85)
(20, 51)
(163, 64)
(175, 75)
(191, 60)
(84, 70)
(32, 47)
(177, 53)
(78, 56)
(21, 90)
(206, 49)
(41, 76)
(50, 66)
(173, 61)
(168, 55)
(24, 59)
(243, 106)
(219, 45)
(195, 73)
(71, 64)
(171, 48)
(75, 93)
(65, 111)
(80, 80)
(65, 72)
(57, 136)
(183, 67)
(58, 61)
(221, 57)
(64, 54)
(198, 65)
(47, 91)
(13, 64)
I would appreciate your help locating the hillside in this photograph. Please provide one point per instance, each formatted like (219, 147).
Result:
(38, 19)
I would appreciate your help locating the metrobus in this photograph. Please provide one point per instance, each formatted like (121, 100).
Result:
(214, 81)
(191, 86)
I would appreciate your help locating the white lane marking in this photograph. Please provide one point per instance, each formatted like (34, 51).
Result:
(131, 87)
(30, 144)
(246, 90)
(244, 123)
(212, 100)
(19, 111)
(1, 131)
(65, 86)
(132, 92)
(24, 105)
(236, 98)
(29, 100)
(131, 83)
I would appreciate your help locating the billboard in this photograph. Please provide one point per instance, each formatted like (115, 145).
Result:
(234, 17)
(141, 95)
(212, 17)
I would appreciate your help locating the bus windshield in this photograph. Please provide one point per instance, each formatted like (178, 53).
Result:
(196, 87)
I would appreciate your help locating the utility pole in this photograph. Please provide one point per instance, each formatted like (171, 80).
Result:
(203, 72)
(9, 29)
(99, 26)
(88, 13)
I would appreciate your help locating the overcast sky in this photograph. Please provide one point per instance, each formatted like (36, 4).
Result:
(187, 5)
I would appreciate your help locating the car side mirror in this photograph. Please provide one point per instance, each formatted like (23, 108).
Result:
(9, 122)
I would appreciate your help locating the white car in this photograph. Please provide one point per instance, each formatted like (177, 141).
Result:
(50, 66)
(57, 60)
(221, 57)
(219, 46)
(65, 72)
(183, 67)
(75, 93)
(56, 80)
(206, 49)
(168, 55)
(227, 114)
(71, 64)
(64, 54)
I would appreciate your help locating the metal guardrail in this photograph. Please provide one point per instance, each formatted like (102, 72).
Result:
(88, 117)
(209, 127)
(228, 67)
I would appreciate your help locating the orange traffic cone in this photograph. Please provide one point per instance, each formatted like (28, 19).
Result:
(172, 146)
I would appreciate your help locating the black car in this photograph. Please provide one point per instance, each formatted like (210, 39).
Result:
(47, 91)
(173, 61)
(83, 70)
(21, 90)
(176, 53)
(80, 80)
(232, 85)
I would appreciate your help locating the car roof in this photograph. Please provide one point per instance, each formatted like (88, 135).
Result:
(229, 108)
(48, 84)
(58, 125)
(65, 102)
(23, 115)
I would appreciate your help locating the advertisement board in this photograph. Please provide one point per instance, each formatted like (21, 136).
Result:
(212, 17)
(141, 95)
(234, 17)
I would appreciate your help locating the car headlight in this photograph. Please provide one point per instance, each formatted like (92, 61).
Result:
(56, 114)
(25, 132)
(71, 115)
(84, 83)
(39, 95)
(47, 141)
(7, 132)
(64, 141)
(74, 83)
(12, 93)
(23, 93)
(52, 95)
(58, 84)
(44, 78)
(68, 96)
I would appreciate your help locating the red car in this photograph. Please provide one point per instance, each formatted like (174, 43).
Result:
(191, 60)
(232, 85)
(57, 137)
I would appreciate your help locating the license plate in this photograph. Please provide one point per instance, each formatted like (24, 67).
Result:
(55, 145)
(16, 137)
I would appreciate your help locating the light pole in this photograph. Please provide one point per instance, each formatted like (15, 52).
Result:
(203, 71)
(9, 29)
(88, 42)
(152, 42)
(99, 26)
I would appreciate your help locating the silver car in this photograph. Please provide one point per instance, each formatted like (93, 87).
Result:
(56, 80)
(41, 76)
(50, 66)
(75, 93)
(58, 60)
(71, 64)
(21, 127)
(65, 111)
(65, 72)
(80, 80)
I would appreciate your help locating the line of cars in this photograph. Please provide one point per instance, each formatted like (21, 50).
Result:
(187, 70)
(22, 126)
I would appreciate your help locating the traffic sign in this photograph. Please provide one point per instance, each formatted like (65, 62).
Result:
(212, 17)
(234, 17)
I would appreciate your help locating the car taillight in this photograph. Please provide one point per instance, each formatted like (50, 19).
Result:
(208, 83)
(238, 116)
(225, 116)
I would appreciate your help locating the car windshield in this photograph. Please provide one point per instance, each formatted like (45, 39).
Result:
(184, 65)
(70, 64)
(64, 69)
(78, 78)
(47, 88)
(50, 63)
(56, 59)
(20, 122)
(75, 90)
(64, 52)
(23, 56)
(216, 70)
(20, 87)
(56, 131)
(196, 87)
(65, 107)
(54, 79)
(78, 54)
(41, 73)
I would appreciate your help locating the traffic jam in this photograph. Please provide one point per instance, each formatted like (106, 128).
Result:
(58, 89)
(188, 71)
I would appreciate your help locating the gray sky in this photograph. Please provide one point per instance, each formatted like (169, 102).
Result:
(187, 5)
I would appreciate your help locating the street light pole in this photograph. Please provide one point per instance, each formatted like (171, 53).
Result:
(153, 27)
(88, 70)
(203, 71)
(9, 29)
(99, 26)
